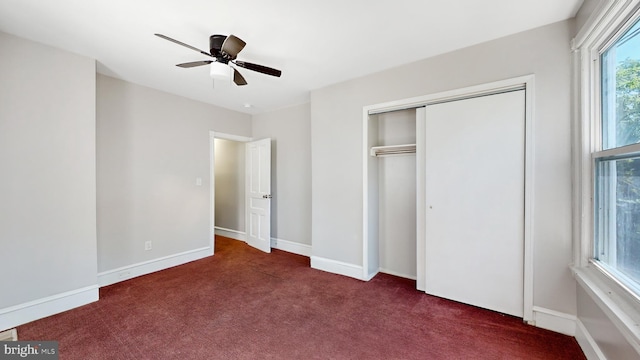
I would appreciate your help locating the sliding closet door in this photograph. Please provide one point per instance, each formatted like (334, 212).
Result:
(475, 201)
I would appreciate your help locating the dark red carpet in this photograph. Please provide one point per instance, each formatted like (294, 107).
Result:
(244, 304)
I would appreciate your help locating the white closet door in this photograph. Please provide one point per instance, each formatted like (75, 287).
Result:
(475, 201)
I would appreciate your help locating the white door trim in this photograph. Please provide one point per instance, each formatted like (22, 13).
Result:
(212, 175)
(528, 82)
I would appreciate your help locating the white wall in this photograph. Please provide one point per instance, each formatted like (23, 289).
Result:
(230, 184)
(151, 147)
(397, 195)
(336, 153)
(48, 182)
(289, 129)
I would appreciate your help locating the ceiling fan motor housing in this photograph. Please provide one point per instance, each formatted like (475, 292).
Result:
(215, 45)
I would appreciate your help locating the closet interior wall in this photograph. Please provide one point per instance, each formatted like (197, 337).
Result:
(395, 177)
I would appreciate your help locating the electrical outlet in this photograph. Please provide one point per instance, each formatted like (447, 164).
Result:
(147, 245)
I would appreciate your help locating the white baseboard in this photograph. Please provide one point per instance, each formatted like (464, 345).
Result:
(554, 320)
(292, 247)
(337, 267)
(588, 345)
(128, 272)
(17, 315)
(371, 275)
(230, 233)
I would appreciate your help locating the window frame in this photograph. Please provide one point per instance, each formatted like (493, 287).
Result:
(597, 49)
(605, 26)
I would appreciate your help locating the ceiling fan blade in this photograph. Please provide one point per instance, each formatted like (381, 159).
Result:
(194, 64)
(259, 68)
(183, 44)
(238, 78)
(232, 45)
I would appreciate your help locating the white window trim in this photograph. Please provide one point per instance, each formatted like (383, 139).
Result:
(620, 305)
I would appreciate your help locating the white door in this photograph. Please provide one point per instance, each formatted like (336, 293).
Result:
(474, 159)
(258, 194)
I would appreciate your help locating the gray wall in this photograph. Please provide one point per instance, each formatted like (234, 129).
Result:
(151, 147)
(47, 157)
(289, 128)
(230, 184)
(336, 153)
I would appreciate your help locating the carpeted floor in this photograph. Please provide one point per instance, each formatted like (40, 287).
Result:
(244, 304)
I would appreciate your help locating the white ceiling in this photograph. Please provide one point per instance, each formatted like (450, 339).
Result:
(314, 43)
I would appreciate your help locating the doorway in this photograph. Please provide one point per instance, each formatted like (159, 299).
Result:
(227, 148)
(244, 213)
(229, 188)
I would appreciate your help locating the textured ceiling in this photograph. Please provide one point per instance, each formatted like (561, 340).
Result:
(314, 43)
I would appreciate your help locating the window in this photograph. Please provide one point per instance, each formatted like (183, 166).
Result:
(617, 160)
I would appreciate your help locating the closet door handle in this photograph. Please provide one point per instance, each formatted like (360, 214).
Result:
(268, 196)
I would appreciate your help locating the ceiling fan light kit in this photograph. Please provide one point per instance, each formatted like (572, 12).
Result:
(224, 49)
(220, 71)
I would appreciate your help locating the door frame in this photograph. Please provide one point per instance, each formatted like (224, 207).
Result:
(526, 82)
(213, 135)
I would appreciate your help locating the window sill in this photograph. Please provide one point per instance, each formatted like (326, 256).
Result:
(617, 304)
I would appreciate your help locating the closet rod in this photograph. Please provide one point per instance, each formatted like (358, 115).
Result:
(388, 150)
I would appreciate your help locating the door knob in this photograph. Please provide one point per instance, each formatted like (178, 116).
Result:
(268, 196)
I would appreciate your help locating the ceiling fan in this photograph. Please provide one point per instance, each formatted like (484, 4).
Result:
(224, 49)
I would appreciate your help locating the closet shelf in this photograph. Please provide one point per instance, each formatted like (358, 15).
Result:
(389, 150)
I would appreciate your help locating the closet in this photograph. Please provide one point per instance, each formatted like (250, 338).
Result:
(446, 197)
(394, 166)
